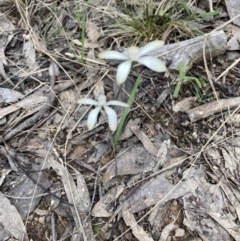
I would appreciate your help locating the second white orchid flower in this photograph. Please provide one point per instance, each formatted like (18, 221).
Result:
(135, 54)
(111, 114)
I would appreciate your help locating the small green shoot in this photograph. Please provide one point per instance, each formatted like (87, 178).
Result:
(42, 204)
(126, 110)
(162, 117)
(81, 17)
(183, 79)
(96, 229)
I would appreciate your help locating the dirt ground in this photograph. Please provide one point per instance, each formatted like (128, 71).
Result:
(74, 165)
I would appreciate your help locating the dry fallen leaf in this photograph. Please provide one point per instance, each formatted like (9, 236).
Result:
(4, 173)
(233, 43)
(138, 231)
(185, 104)
(29, 53)
(9, 95)
(103, 207)
(132, 162)
(77, 195)
(92, 31)
(233, 8)
(3, 73)
(148, 145)
(11, 220)
(29, 102)
(166, 231)
(6, 26)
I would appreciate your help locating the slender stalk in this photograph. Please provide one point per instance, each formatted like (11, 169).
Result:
(126, 111)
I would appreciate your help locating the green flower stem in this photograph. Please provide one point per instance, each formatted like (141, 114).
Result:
(126, 111)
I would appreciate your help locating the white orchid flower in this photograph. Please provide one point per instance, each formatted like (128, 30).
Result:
(111, 114)
(135, 54)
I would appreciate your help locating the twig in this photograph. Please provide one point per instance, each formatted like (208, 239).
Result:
(53, 228)
(208, 109)
(93, 196)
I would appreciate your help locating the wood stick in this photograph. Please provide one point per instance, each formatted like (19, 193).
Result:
(209, 109)
(191, 51)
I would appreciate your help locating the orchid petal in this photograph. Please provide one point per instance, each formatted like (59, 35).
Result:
(153, 63)
(151, 47)
(123, 71)
(92, 117)
(111, 54)
(116, 102)
(112, 118)
(133, 53)
(87, 102)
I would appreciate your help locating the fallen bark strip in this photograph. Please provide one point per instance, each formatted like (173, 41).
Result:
(214, 107)
(191, 51)
(29, 102)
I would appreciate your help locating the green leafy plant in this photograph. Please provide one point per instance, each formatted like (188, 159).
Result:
(143, 22)
(183, 79)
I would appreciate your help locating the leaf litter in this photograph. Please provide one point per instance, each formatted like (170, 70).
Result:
(174, 174)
